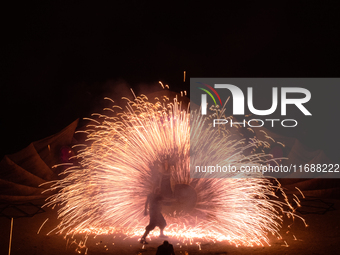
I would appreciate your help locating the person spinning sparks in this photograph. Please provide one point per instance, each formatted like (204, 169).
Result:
(154, 202)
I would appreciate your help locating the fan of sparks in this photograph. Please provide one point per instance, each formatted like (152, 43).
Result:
(119, 166)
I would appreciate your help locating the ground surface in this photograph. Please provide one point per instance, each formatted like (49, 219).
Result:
(322, 236)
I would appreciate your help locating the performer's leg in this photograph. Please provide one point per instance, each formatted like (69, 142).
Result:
(161, 232)
(161, 227)
(145, 234)
(147, 231)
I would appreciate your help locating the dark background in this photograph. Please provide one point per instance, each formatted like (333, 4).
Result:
(59, 60)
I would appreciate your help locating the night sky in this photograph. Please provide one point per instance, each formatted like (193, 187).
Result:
(60, 60)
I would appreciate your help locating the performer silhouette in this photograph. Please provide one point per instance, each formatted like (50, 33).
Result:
(154, 202)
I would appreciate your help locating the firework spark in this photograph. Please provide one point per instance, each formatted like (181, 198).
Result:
(106, 192)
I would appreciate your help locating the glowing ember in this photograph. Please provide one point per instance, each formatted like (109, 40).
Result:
(106, 193)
